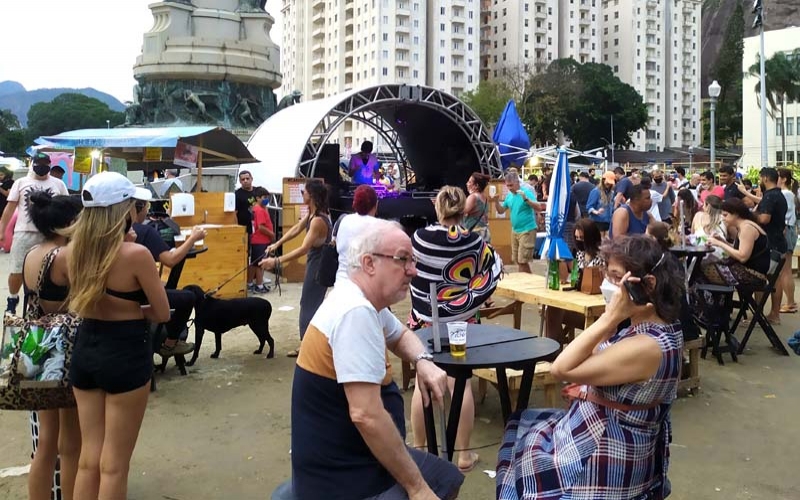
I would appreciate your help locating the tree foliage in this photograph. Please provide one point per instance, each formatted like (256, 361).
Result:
(782, 82)
(13, 138)
(8, 121)
(728, 73)
(578, 101)
(488, 100)
(70, 112)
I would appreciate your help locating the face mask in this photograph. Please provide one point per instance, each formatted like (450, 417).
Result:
(128, 224)
(658, 179)
(41, 170)
(580, 245)
(608, 290)
(264, 202)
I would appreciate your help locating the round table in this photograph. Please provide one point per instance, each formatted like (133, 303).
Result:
(488, 346)
(694, 254)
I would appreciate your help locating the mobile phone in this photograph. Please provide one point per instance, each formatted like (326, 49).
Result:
(637, 293)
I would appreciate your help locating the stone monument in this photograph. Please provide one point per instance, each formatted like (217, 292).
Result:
(207, 62)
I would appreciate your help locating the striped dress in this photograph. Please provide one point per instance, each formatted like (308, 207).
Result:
(593, 452)
(464, 267)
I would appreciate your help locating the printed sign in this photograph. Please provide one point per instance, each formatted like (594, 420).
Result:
(82, 161)
(185, 155)
(152, 154)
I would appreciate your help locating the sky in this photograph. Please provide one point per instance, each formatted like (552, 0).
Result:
(80, 43)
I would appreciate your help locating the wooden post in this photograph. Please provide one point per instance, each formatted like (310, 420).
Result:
(200, 166)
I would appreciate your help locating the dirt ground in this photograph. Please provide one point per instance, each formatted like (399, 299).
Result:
(223, 431)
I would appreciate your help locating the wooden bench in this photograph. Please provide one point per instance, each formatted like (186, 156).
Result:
(541, 378)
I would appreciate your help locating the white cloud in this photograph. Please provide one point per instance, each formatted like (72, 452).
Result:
(80, 43)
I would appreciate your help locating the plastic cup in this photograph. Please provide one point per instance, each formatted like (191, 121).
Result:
(457, 334)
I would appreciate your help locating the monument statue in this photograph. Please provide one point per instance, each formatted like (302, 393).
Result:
(207, 62)
(289, 100)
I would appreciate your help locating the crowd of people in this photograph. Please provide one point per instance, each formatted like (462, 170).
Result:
(348, 418)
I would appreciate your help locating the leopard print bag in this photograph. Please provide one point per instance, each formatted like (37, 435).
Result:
(35, 353)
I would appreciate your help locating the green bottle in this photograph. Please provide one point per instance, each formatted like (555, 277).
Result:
(553, 276)
(574, 275)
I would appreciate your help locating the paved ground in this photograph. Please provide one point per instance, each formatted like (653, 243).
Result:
(223, 431)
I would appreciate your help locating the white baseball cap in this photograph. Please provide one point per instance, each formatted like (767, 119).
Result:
(109, 188)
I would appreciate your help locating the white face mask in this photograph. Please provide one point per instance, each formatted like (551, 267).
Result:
(608, 290)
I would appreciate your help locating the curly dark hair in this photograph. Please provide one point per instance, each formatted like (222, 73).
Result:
(50, 213)
(643, 256)
(318, 192)
(480, 180)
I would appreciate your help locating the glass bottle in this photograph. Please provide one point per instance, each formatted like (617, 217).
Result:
(553, 276)
(574, 275)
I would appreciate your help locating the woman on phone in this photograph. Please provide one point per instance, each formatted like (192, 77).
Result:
(116, 290)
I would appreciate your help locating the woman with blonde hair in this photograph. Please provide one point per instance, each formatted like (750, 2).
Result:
(465, 270)
(116, 290)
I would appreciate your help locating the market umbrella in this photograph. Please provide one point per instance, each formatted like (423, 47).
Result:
(510, 137)
(554, 247)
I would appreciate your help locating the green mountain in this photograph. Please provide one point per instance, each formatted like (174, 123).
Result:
(13, 96)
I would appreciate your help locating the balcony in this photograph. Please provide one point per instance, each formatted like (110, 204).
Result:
(317, 3)
(402, 63)
(652, 4)
(457, 35)
(398, 45)
(688, 8)
(486, 5)
(459, 50)
(403, 10)
(318, 61)
(403, 28)
(584, 21)
(318, 33)
(540, 14)
(318, 47)
(318, 76)
(348, 7)
(318, 92)
(318, 18)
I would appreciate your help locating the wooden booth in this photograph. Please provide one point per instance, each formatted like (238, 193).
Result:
(500, 224)
(227, 247)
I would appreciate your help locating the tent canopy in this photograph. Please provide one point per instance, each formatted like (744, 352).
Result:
(219, 146)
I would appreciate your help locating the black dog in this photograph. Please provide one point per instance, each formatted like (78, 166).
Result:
(220, 316)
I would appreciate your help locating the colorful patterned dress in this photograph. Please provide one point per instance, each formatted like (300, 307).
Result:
(592, 452)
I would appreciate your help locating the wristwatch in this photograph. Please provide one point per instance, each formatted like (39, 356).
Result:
(422, 355)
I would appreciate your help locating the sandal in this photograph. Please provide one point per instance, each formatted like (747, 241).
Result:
(293, 354)
(788, 309)
(474, 457)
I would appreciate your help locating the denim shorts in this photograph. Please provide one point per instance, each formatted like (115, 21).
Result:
(791, 238)
(114, 356)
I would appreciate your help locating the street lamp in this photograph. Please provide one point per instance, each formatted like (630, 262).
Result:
(691, 154)
(713, 91)
(108, 124)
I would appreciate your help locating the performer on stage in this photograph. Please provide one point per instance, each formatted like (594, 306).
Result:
(363, 165)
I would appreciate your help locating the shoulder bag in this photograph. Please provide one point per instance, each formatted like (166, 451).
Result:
(35, 354)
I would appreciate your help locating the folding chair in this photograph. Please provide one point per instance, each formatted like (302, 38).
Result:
(716, 322)
(749, 301)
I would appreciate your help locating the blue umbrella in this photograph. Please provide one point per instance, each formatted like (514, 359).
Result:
(510, 137)
(554, 247)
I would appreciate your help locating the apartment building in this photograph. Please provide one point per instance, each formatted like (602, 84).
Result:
(653, 45)
(526, 35)
(331, 46)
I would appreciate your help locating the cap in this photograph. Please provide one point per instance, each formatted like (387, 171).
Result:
(610, 177)
(109, 188)
(41, 158)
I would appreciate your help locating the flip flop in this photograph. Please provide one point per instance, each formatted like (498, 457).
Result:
(788, 309)
(475, 457)
(293, 354)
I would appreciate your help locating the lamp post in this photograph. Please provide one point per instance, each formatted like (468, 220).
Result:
(713, 91)
(758, 22)
(691, 154)
(108, 124)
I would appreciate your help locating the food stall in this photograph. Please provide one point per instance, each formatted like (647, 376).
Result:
(159, 148)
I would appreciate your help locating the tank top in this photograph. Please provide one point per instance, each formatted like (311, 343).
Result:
(478, 219)
(635, 226)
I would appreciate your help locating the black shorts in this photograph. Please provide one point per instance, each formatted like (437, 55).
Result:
(257, 253)
(115, 356)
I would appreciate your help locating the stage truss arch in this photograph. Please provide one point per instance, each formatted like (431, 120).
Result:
(306, 127)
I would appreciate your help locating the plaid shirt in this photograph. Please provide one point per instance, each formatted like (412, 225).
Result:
(592, 452)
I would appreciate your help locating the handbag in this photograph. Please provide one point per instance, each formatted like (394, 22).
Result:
(329, 261)
(35, 354)
(591, 279)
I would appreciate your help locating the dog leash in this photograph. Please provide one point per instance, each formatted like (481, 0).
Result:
(211, 293)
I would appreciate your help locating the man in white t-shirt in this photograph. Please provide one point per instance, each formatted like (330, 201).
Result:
(348, 423)
(655, 196)
(25, 234)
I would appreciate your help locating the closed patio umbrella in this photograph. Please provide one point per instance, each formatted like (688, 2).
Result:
(554, 247)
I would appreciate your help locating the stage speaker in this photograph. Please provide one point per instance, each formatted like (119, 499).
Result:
(327, 165)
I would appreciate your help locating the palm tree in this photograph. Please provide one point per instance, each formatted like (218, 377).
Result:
(782, 81)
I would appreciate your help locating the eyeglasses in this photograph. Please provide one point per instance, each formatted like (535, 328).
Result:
(407, 261)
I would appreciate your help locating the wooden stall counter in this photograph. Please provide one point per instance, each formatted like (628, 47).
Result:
(227, 249)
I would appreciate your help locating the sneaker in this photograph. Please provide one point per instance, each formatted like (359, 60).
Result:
(261, 289)
(251, 287)
(267, 281)
(11, 304)
(180, 347)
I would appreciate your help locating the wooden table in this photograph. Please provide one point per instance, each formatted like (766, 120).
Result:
(526, 288)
